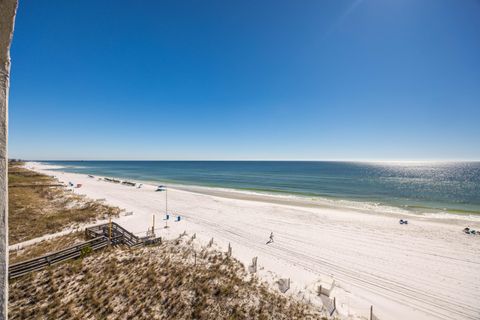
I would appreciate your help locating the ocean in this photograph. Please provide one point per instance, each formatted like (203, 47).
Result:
(416, 187)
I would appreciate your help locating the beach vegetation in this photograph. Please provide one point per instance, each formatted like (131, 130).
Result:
(45, 246)
(40, 205)
(151, 283)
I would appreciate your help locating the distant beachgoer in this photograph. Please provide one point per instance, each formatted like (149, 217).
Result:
(271, 238)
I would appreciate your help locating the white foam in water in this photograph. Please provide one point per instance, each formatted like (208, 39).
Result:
(448, 216)
(44, 166)
(338, 203)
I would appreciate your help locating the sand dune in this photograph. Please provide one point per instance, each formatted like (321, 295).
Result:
(426, 270)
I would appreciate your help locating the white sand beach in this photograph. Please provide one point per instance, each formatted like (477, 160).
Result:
(427, 269)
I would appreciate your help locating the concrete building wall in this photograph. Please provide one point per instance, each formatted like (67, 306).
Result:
(8, 10)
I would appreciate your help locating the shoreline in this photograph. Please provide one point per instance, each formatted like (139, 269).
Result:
(308, 201)
(371, 258)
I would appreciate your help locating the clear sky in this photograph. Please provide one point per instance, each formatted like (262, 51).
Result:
(320, 79)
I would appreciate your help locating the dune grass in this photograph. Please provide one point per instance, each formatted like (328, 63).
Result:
(35, 209)
(161, 282)
(46, 246)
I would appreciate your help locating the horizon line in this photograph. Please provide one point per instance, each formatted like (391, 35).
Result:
(260, 160)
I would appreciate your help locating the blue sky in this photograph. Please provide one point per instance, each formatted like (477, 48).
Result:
(323, 79)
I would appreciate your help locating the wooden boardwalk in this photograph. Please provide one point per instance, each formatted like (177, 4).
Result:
(99, 236)
(22, 268)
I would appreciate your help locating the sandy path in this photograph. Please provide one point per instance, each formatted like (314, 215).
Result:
(426, 270)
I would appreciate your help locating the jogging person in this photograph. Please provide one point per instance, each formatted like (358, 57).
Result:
(271, 238)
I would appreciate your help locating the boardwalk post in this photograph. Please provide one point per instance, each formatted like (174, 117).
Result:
(229, 252)
(166, 208)
(253, 268)
(8, 9)
(110, 230)
(371, 312)
(334, 303)
(153, 227)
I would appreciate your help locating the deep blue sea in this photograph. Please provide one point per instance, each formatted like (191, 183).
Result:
(430, 187)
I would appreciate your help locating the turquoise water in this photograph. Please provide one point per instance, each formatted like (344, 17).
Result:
(421, 187)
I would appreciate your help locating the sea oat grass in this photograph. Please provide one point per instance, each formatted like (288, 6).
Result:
(35, 209)
(151, 283)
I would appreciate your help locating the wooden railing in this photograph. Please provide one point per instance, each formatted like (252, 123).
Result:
(100, 237)
(122, 235)
(22, 268)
